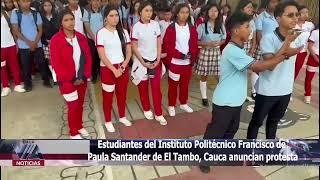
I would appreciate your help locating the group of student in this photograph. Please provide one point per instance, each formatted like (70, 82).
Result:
(81, 42)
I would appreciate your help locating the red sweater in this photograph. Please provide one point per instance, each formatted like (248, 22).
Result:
(169, 44)
(199, 21)
(61, 54)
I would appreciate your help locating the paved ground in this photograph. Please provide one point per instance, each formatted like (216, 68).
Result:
(42, 114)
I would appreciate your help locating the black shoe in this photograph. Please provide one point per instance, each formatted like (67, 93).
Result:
(28, 88)
(47, 84)
(204, 169)
(55, 83)
(205, 102)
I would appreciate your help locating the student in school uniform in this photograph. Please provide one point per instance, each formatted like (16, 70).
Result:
(164, 24)
(312, 63)
(201, 16)
(180, 44)
(79, 14)
(71, 60)
(9, 57)
(265, 23)
(226, 12)
(147, 66)
(166, 21)
(274, 87)
(306, 27)
(114, 48)
(199, 4)
(27, 27)
(50, 27)
(123, 13)
(211, 35)
(133, 17)
(246, 6)
(92, 23)
(231, 91)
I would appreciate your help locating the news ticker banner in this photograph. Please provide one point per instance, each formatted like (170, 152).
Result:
(159, 152)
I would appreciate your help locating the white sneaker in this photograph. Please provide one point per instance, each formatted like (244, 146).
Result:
(148, 114)
(110, 127)
(5, 91)
(76, 137)
(19, 89)
(172, 111)
(291, 98)
(307, 99)
(125, 121)
(83, 132)
(162, 120)
(186, 108)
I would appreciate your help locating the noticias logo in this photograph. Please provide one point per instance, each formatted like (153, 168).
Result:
(27, 162)
(27, 154)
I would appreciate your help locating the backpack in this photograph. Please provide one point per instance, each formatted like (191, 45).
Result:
(34, 14)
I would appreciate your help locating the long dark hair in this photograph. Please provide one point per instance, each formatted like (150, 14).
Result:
(242, 4)
(178, 9)
(132, 10)
(119, 27)
(144, 4)
(62, 13)
(218, 21)
(42, 11)
(229, 7)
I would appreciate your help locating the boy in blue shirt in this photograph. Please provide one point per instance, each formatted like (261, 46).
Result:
(27, 27)
(274, 87)
(93, 21)
(230, 93)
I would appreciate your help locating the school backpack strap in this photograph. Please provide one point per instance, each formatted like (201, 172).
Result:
(6, 16)
(34, 15)
(89, 15)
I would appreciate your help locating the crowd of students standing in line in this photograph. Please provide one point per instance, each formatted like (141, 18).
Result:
(82, 42)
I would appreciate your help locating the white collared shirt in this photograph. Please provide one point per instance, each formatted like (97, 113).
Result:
(78, 21)
(6, 36)
(182, 43)
(76, 52)
(163, 27)
(111, 43)
(146, 35)
(306, 27)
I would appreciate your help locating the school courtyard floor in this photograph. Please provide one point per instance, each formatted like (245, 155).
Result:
(41, 114)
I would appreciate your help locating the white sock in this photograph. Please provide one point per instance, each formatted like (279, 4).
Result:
(254, 77)
(203, 89)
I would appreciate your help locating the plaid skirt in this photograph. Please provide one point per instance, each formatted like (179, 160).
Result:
(208, 62)
(46, 51)
(258, 54)
(247, 46)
